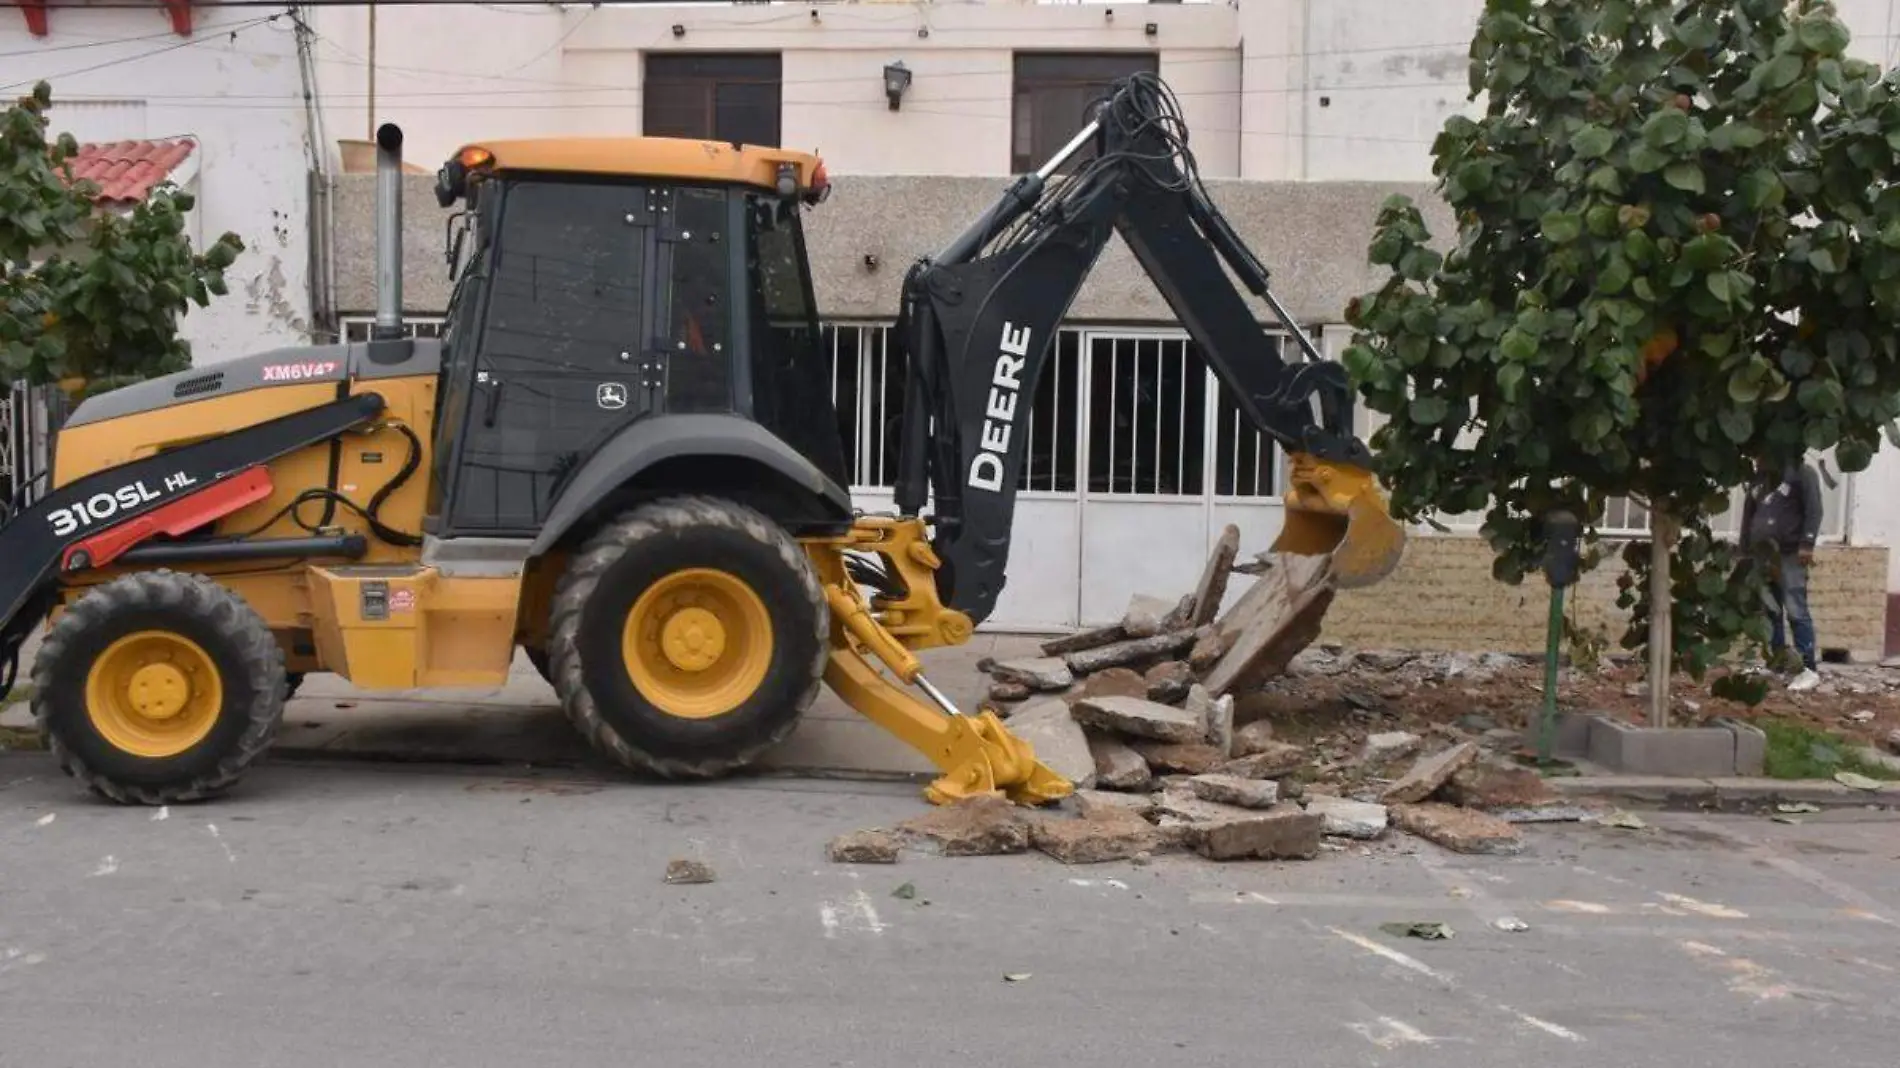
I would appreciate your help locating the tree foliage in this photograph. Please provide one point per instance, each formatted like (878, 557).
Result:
(102, 303)
(1677, 262)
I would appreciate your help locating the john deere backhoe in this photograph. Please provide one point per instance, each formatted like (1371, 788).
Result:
(621, 456)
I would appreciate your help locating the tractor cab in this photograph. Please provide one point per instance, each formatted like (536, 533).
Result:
(602, 282)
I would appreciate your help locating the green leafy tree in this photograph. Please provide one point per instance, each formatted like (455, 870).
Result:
(1677, 263)
(100, 307)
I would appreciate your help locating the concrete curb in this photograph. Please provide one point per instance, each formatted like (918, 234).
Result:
(1732, 792)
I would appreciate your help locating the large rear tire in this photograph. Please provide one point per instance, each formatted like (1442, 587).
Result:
(159, 688)
(688, 637)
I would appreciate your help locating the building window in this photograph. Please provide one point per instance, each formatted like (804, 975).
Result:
(1053, 91)
(732, 97)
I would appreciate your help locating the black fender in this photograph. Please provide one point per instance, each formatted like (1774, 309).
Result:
(645, 445)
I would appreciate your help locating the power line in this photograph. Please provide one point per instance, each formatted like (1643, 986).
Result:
(193, 43)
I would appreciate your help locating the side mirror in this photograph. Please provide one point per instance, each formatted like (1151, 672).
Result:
(1561, 530)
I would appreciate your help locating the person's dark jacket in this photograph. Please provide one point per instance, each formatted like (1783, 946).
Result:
(1787, 513)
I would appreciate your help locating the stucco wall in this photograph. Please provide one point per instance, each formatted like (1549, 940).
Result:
(1443, 597)
(1313, 237)
(235, 89)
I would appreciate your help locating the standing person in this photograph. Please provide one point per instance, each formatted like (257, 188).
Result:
(1785, 512)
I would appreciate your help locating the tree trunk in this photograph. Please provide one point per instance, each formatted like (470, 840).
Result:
(1662, 538)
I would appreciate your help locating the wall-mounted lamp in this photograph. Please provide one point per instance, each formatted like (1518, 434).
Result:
(896, 80)
(679, 30)
(1151, 29)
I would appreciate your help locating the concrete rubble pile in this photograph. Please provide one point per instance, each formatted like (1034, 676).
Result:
(1140, 716)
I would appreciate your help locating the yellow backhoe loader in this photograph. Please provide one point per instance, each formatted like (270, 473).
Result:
(621, 456)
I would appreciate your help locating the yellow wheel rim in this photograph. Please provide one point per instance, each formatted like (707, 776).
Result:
(697, 643)
(154, 694)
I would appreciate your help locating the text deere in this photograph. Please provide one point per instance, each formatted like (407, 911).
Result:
(986, 468)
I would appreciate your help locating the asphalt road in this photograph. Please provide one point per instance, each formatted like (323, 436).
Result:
(352, 915)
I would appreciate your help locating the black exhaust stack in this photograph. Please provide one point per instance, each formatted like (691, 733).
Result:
(388, 234)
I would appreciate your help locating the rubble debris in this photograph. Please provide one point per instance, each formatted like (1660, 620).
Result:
(1510, 924)
(973, 827)
(1139, 718)
(1112, 682)
(1626, 821)
(1145, 616)
(682, 871)
(1891, 741)
(1233, 790)
(1007, 692)
(1216, 715)
(1134, 651)
(874, 845)
(1429, 773)
(905, 892)
(1342, 817)
(1861, 715)
(1181, 803)
(1384, 660)
(1430, 930)
(1797, 807)
(1282, 621)
(1057, 740)
(1458, 829)
(1109, 835)
(1117, 765)
(1543, 814)
(1212, 589)
(1276, 760)
(1280, 834)
(1493, 786)
(1168, 682)
(1184, 758)
(1093, 638)
(1043, 673)
(1390, 745)
(1255, 737)
(1210, 644)
(1097, 804)
(1854, 780)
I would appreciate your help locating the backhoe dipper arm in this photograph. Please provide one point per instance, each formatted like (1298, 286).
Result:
(978, 320)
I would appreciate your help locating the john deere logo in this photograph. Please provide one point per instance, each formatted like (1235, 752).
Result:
(611, 395)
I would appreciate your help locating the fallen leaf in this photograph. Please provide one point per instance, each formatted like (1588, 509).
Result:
(1853, 780)
(905, 892)
(1430, 931)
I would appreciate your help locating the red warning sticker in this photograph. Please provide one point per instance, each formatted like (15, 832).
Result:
(402, 600)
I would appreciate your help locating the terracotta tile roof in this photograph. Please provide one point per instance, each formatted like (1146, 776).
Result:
(126, 171)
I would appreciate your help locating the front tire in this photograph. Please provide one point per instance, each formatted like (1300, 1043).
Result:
(159, 688)
(688, 637)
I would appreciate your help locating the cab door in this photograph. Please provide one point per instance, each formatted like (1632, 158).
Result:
(560, 365)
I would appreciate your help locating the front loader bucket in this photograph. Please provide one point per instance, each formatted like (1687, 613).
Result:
(1339, 510)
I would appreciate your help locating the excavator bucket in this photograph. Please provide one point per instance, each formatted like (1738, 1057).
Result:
(1338, 509)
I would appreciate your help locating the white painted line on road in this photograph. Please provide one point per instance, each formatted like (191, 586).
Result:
(1544, 1025)
(106, 866)
(1870, 909)
(1588, 907)
(228, 855)
(1116, 883)
(1393, 955)
(1388, 1033)
(1704, 908)
(855, 915)
(1746, 976)
(1458, 884)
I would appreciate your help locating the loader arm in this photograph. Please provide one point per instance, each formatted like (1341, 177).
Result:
(978, 320)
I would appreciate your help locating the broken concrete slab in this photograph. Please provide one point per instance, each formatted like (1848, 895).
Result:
(1254, 738)
(1145, 615)
(1217, 716)
(1117, 765)
(871, 846)
(1110, 682)
(1212, 589)
(1284, 620)
(1182, 803)
(1168, 682)
(1109, 837)
(1460, 830)
(1043, 673)
(1138, 650)
(1092, 638)
(1390, 745)
(1430, 772)
(1100, 804)
(1210, 644)
(1234, 790)
(1191, 758)
(1276, 759)
(1057, 739)
(1342, 817)
(1282, 834)
(1493, 786)
(1139, 718)
(976, 827)
(1008, 692)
